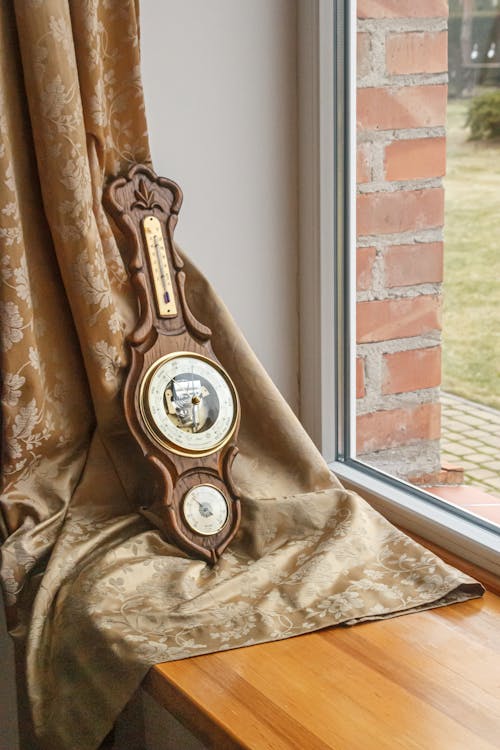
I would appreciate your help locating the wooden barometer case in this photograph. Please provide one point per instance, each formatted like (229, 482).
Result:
(180, 404)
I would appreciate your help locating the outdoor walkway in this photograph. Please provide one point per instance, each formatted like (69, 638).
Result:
(470, 438)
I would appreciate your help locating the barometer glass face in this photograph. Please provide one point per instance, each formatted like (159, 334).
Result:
(205, 509)
(188, 403)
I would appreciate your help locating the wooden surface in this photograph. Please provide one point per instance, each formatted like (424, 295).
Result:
(429, 680)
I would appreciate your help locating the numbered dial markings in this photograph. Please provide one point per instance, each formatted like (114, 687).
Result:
(205, 509)
(188, 403)
(160, 271)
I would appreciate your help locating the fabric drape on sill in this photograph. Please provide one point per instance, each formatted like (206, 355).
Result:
(94, 595)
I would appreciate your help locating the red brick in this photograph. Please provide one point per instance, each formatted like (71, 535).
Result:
(363, 163)
(404, 107)
(448, 475)
(406, 265)
(384, 320)
(401, 211)
(363, 49)
(389, 429)
(412, 370)
(402, 9)
(415, 159)
(360, 377)
(416, 52)
(365, 258)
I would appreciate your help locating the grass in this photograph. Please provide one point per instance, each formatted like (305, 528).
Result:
(471, 325)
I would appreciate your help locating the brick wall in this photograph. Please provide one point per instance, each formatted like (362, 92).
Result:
(401, 102)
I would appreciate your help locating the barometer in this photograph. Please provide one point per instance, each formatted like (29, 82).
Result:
(180, 404)
(188, 404)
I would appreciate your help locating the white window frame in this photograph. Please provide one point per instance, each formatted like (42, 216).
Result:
(327, 294)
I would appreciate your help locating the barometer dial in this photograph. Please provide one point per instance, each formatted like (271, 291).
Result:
(188, 403)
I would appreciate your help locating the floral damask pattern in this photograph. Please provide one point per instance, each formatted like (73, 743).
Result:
(94, 595)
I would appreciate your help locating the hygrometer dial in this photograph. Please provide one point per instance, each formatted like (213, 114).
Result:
(188, 403)
(205, 509)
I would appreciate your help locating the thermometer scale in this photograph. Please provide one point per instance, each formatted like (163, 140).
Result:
(158, 264)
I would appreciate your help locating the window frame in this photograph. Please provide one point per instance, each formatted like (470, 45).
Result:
(327, 294)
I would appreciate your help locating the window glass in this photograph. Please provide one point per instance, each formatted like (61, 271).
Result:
(428, 247)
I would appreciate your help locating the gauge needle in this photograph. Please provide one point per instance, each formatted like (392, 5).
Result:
(205, 509)
(196, 409)
(195, 401)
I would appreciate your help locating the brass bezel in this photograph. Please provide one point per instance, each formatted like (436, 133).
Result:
(148, 419)
(197, 487)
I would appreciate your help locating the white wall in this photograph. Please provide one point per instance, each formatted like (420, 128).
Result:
(220, 80)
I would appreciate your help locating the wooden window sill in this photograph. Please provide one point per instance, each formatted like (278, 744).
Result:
(426, 680)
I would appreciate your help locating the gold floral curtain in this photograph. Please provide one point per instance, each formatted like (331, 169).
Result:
(94, 595)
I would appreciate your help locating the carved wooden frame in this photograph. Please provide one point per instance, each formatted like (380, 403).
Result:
(128, 200)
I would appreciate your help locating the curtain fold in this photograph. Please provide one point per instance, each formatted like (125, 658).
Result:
(94, 595)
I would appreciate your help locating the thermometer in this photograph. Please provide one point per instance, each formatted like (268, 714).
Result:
(160, 271)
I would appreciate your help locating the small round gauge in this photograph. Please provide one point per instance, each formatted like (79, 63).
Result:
(205, 509)
(188, 403)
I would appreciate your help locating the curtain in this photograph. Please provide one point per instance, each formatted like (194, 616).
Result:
(94, 595)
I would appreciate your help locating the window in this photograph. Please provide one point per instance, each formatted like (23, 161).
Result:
(390, 339)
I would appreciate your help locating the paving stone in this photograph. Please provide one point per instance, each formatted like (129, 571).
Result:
(482, 424)
(491, 424)
(454, 426)
(470, 438)
(445, 450)
(480, 458)
(448, 447)
(478, 440)
(495, 480)
(481, 435)
(448, 457)
(485, 474)
(468, 419)
(471, 442)
(490, 449)
(486, 415)
(457, 449)
(481, 445)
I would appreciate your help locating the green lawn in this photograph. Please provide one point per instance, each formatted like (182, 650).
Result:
(471, 328)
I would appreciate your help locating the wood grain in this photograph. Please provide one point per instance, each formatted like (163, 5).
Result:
(423, 681)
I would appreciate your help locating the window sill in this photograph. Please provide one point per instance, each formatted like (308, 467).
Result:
(451, 529)
(263, 696)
